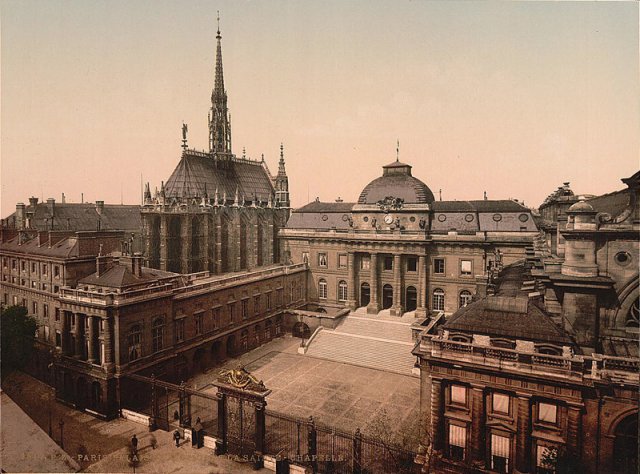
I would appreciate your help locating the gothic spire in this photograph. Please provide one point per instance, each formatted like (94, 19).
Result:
(219, 122)
(281, 168)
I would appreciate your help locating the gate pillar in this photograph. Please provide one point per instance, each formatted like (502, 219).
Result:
(241, 414)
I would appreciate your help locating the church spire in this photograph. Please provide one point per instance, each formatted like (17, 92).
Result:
(282, 183)
(219, 122)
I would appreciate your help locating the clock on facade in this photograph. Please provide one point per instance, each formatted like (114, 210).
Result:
(388, 218)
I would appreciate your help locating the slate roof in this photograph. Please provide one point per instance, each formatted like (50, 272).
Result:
(403, 186)
(121, 276)
(197, 173)
(612, 203)
(510, 313)
(321, 215)
(501, 205)
(480, 317)
(65, 248)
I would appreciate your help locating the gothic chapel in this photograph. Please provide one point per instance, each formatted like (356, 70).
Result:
(217, 212)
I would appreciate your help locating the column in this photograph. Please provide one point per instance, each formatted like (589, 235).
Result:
(523, 438)
(477, 425)
(396, 310)
(422, 286)
(351, 281)
(91, 354)
(164, 241)
(79, 340)
(185, 247)
(574, 428)
(436, 409)
(374, 304)
(64, 334)
(108, 344)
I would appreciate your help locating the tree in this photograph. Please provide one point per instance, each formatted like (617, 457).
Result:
(17, 330)
(558, 460)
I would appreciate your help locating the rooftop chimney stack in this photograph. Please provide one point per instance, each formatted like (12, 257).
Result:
(20, 215)
(33, 201)
(99, 207)
(51, 205)
(136, 264)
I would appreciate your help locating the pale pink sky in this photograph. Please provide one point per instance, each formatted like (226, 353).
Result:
(509, 97)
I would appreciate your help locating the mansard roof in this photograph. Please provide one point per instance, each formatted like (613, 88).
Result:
(501, 205)
(121, 276)
(199, 173)
(321, 215)
(81, 217)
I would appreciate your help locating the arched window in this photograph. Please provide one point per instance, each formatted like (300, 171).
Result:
(438, 299)
(278, 325)
(157, 334)
(322, 289)
(342, 291)
(465, 298)
(244, 339)
(625, 445)
(134, 342)
(267, 330)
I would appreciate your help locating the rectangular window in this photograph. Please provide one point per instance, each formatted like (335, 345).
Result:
(438, 266)
(500, 453)
(199, 322)
(305, 257)
(547, 413)
(57, 314)
(35, 307)
(46, 333)
(322, 260)
(388, 262)
(58, 339)
(269, 301)
(256, 304)
(216, 312)
(465, 267)
(230, 310)
(33, 284)
(412, 264)
(457, 442)
(13, 264)
(22, 265)
(279, 296)
(44, 269)
(56, 271)
(245, 308)
(500, 403)
(33, 267)
(365, 262)
(180, 330)
(322, 289)
(342, 261)
(458, 394)
(45, 310)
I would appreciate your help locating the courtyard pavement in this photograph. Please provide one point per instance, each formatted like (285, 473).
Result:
(341, 395)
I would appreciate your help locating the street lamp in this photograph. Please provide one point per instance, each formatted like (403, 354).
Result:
(61, 424)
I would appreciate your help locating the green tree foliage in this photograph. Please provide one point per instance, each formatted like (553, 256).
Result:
(17, 330)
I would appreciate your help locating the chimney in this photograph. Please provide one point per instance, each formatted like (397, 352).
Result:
(20, 215)
(33, 201)
(51, 205)
(101, 264)
(99, 207)
(136, 264)
(63, 198)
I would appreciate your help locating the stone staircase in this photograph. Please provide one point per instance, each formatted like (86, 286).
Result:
(383, 344)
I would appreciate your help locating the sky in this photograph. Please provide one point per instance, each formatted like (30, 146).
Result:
(511, 98)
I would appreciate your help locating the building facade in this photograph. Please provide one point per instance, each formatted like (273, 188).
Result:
(545, 371)
(398, 249)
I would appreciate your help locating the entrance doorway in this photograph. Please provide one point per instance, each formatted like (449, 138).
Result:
(365, 294)
(387, 296)
(411, 298)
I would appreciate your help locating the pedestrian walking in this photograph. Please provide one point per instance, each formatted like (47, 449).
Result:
(134, 443)
(176, 437)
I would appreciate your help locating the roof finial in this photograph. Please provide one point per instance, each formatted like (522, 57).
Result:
(281, 151)
(218, 12)
(398, 151)
(185, 129)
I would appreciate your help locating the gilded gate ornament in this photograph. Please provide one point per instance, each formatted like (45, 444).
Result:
(241, 378)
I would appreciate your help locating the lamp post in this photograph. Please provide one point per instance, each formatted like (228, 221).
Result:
(61, 424)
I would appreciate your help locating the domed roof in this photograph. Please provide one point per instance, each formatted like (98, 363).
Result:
(396, 181)
(581, 206)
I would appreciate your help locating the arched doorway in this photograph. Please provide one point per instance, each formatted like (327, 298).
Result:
(217, 353)
(625, 447)
(387, 296)
(411, 298)
(96, 396)
(182, 369)
(199, 362)
(81, 393)
(365, 294)
(231, 346)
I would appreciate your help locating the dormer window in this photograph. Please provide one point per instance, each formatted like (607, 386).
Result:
(460, 338)
(548, 350)
(503, 343)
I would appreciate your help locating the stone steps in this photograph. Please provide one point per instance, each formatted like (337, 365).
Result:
(363, 351)
(391, 330)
